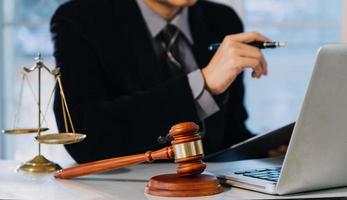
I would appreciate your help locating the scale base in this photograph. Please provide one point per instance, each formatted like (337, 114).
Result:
(174, 185)
(39, 164)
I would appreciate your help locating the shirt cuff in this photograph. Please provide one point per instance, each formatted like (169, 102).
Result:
(204, 102)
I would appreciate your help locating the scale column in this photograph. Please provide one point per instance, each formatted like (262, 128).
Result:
(39, 99)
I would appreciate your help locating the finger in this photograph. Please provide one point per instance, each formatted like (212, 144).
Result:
(283, 148)
(257, 69)
(248, 37)
(273, 153)
(279, 151)
(262, 70)
(252, 52)
(264, 65)
(255, 64)
(247, 46)
(248, 51)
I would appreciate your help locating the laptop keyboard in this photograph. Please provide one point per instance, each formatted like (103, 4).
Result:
(269, 174)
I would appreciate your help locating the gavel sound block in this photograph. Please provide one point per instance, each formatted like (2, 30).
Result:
(187, 151)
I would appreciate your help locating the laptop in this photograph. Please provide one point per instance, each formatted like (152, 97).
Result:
(317, 153)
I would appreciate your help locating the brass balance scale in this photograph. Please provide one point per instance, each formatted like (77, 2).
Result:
(39, 164)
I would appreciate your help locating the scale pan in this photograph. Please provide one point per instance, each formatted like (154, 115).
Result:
(23, 131)
(60, 138)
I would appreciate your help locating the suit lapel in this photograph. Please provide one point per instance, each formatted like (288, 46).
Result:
(133, 25)
(202, 35)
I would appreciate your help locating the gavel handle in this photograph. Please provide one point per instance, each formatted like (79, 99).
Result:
(114, 163)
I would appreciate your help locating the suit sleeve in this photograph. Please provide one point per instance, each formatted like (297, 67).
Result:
(115, 125)
(204, 103)
(236, 113)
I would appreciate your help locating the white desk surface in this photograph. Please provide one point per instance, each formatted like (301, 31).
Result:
(122, 184)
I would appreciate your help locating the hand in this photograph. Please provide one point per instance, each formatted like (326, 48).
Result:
(279, 151)
(231, 58)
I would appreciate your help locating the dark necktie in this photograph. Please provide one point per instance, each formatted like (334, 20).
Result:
(169, 51)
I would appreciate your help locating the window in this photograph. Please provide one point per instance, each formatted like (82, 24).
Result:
(275, 100)
(24, 32)
(2, 115)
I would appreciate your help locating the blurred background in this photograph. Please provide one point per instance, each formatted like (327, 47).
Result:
(272, 101)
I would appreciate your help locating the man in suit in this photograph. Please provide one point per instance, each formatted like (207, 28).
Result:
(132, 69)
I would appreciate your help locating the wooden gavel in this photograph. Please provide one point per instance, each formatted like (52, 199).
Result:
(186, 149)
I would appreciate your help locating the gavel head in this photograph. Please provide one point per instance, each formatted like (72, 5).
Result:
(188, 148)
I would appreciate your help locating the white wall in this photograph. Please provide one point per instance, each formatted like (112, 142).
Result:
(8, 72)
(344, 22)
(22, 147)
(2, 115)
(236, 4)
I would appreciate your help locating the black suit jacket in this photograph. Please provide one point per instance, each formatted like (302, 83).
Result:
(115, 86)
